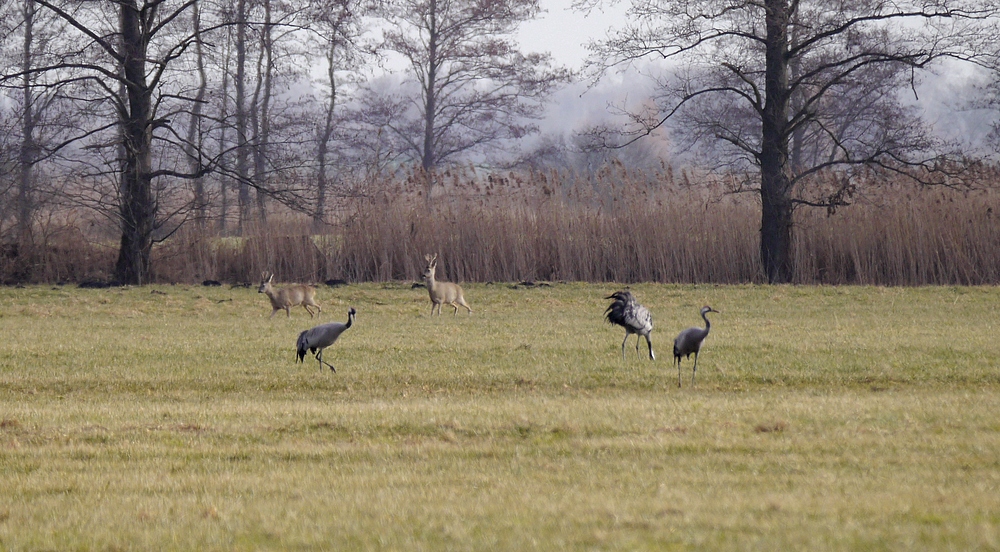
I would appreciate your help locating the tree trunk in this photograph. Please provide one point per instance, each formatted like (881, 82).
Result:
(776, 184)
(194, 141)
(428, 159)
(260, 114)
(224, 181)
(137, 208)
(430, 91)
(324, 140)
(26, 159)
(242, 155)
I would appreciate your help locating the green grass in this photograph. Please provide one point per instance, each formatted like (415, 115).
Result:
(172, 417)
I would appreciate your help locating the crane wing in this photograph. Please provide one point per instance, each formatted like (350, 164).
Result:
(638, 317)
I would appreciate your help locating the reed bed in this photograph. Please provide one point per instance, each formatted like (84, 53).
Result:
(616, 225)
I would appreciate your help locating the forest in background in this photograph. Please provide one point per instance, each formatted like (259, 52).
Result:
(151, 141)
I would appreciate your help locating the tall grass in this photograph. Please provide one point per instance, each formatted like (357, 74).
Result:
(906, 237)
(617, 228)
(616, 225)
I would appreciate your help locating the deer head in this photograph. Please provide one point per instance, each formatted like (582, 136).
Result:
(265, 282)
(431, 266)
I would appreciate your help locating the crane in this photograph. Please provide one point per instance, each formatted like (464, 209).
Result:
(626, 312)
(690, 341)
(322, 336)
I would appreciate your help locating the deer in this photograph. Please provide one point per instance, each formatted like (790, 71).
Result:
(442, 292)
(289, 296)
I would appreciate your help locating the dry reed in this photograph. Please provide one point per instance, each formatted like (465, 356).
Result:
(616, 225)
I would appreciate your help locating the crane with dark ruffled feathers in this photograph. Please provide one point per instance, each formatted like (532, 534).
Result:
(316, 339)
(626, 312)
(689, 341)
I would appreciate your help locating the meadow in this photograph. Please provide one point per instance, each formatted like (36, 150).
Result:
(823, 418)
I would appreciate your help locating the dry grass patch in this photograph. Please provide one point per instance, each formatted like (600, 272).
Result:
(771, 427)
(190, 426)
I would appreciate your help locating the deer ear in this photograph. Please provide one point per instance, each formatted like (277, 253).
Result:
(427, 257)
(269, 278)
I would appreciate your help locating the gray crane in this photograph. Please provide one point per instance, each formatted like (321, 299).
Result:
(322, 336)
(689, 341)
(626, 312)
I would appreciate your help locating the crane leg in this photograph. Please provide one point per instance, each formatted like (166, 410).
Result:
(623, 345)
(695, 370)
(677, 359)
(637, 355)
(319, 357)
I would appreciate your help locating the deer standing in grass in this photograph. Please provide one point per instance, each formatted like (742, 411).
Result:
(288, 297)
(442, 292)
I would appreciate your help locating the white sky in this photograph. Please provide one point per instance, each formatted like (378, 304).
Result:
(564, 32)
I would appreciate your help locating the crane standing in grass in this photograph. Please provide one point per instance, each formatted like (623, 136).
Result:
(689, 341)
(322, 336)
(626, 312)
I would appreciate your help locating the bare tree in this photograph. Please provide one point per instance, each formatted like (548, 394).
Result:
(267, 45)
(195, 137)
(476, 88)
(124, 68)
(337, 25)
(240, 109)
(987, 98)
(28, 154)
(770, 78)
(260, 109)
(35, 106)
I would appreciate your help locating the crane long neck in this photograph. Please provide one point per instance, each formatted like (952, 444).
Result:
(350, 320)
(708, 325)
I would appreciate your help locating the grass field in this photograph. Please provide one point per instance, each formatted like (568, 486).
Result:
(173, 417)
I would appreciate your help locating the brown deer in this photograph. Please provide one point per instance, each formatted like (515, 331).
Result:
(442, 292)
(288, 297)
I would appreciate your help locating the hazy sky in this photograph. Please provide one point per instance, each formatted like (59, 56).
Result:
(563, 32)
